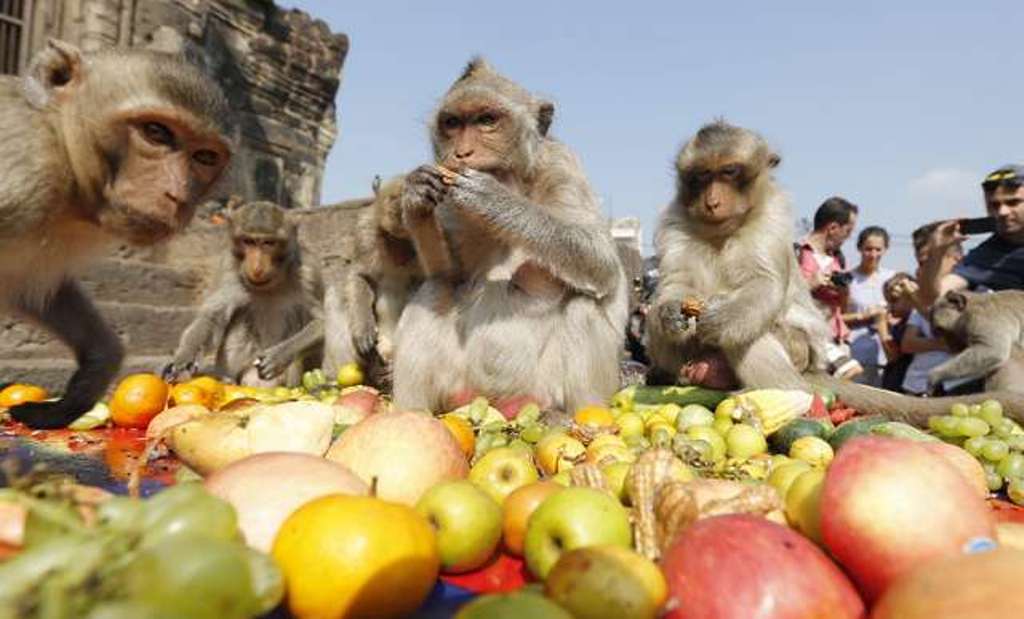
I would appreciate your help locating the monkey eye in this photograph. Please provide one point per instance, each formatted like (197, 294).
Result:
(731, 172)
(450, 121)
(487, 119)
(158, 133)
(206, 157)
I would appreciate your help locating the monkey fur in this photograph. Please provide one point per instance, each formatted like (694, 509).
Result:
(96, 147)
(264, 317)
(987, 332)
(525, 298)
(727, 239)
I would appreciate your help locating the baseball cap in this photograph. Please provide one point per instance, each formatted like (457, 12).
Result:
(1010, 174)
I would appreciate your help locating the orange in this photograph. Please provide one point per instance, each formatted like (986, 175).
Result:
(594, 416)
(356, 556)
(462, 430)
(18, 393)
(210, 385)
(189, 393)
(137, 399)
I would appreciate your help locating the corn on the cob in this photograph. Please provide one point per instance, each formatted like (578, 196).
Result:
(770, 409)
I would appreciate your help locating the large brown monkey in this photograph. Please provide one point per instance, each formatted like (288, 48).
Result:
(525, 298)
(725, 243)
(378, 286)
(118, 144)
(987, 330)
(265, 316)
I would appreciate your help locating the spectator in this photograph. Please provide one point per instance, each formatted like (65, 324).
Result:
(998, 262)
(899, 291)
(866, 304)
(818, 256)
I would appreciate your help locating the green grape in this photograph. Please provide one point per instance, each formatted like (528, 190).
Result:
(203, 516)
(959, 410)
(528, 414)
(1011, 466)
(694, 415)
(121, 513)
(992, 478)
(974, 410)
(532, 433)
(971, 426)
(267, 581)
(1002, 427)
(944, 425)
(974, 445)
(1016, 490)
(500, 441)
(193, 576)
(128, 609)
(995, 450)
(991, 412)
(1016, 442)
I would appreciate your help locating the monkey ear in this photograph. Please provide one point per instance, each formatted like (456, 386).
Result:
(476, 63)
(376, 184)
(957, 299)
(545, 114)
(52, 73)
(774, 160)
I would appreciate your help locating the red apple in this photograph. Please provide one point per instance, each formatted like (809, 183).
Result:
(400, 454)
(962, 461)
(741, 566)
(355, 403)
(518, 507)
(889, 505)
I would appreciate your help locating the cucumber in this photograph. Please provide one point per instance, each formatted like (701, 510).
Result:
(652, 395)
(852, 428)
(782, 438)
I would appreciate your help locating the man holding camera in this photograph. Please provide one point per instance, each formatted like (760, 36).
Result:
(822, 266)
(995, 264)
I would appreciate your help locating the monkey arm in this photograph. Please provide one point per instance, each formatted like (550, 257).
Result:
(359, 298)
(573, 245)
(74, 319)
(734, 320)
(213, 319)
(665, 317)
(275, 360)
(983, 355)
(423, 192)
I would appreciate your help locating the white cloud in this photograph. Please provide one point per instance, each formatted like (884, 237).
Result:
(945, 193)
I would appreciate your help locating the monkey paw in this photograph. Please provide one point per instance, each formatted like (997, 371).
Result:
(271, 364)
(474, 189)
(365, 344)
(49, 415)
(673, 321)
(425, 188)
(177, 371)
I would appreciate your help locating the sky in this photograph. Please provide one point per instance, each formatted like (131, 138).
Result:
(900, 107)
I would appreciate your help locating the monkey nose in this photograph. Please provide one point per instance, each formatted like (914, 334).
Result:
(463, 155)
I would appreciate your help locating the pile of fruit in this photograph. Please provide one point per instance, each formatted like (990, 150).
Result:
(680, 502)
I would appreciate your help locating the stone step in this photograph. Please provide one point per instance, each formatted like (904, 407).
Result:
(53, 374)
(143, 329)
(137, 281)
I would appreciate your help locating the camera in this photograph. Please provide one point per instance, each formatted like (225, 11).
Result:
(841, 279)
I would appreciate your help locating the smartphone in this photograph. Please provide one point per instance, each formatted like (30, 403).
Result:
(978, 225)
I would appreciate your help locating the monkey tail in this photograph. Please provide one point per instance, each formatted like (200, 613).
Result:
(908, 409)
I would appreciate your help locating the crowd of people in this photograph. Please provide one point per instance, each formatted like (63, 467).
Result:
(879, 318)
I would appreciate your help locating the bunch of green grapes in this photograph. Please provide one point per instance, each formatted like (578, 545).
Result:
(179, 554)
(493, 430)
(996, 441)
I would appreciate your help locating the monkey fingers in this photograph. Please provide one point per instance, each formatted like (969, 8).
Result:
(448, 176)
(672, 318)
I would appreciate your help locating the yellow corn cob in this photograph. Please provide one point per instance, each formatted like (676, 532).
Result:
(770, 409)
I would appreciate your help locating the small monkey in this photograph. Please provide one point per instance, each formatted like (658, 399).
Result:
(525, 298)
(987, 330)
(116, 144)
(726, 240)
(265, 315)
(379, 285)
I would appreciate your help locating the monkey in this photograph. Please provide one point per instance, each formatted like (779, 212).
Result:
(264, 317)
(117, 144)
(387, 270)
(725, 240)
(524, 298)
(987, 331)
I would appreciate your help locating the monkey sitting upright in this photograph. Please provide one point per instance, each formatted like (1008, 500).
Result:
(264, 317)
(987, 331)
(116, 144)
(378, 286)
(730, 301)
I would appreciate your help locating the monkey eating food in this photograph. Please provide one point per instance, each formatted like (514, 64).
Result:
(727, 238)
(265, 315)
(525, 297)
(111, 145)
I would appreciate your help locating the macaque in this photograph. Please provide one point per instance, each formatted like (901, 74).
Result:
(525, 299)
(731, 308)
(265, 315)
(112, 145)
(387, 271)
(987, 333)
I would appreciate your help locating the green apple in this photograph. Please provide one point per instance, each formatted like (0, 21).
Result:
(516, 605)
(615, 475)
(502, 470)
(467, 521)
(573, 518)
(562, 479)
(630, 424)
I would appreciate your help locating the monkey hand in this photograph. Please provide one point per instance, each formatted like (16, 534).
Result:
(673, 321)
(935, 378)
(177, 371)
(425, 188)
(713, 322)
(475, 190)
(364, 341)
(273, 362)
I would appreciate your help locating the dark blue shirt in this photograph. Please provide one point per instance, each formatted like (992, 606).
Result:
(994, 265)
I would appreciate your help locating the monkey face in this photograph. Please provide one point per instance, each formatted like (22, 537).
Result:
(716, 194)
(948, 311)
(260, 261)
(475, 133)
(161, 167)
